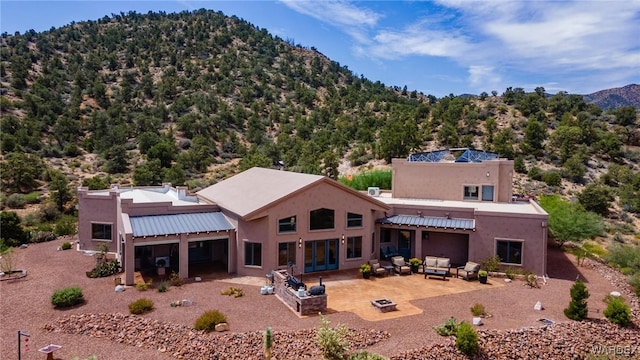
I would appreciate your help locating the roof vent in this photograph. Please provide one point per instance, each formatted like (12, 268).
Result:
(373, 191)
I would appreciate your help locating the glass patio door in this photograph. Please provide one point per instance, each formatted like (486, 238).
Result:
(320, 255)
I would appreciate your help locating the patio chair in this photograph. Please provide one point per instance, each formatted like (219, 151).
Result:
(376, 268)
(400, 266)
(469, 270)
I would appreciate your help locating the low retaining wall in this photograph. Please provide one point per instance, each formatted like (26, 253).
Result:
(301, 305)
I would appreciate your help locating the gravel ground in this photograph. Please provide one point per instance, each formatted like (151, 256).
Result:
(103, 327)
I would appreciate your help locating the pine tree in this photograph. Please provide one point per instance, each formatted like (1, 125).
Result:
(577, 309)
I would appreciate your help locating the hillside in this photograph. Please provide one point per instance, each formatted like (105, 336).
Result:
(615, 98)
(194, 97)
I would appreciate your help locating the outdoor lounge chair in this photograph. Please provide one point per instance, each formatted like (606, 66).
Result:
(400, 266)
(469, 270)
(376, 268)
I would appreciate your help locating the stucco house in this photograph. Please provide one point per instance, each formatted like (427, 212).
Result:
(263, 219)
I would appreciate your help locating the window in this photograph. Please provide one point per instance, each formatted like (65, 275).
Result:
(470, 192)
(287, 225)
(354, 220)
(487, 192)
(101, 232)
(354, 247)
(322, 219)
(286, 253)
(510, 252)
(252, 254)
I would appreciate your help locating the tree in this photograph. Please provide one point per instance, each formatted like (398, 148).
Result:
(164, 152)
(148, 174)
(577, 309)
(534, 136)
(59, 188)
(570, 222)
(626, 115)
(13, 234)
(596, 198)
(20, 172)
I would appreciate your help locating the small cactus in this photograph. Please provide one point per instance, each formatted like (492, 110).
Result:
(268, 343)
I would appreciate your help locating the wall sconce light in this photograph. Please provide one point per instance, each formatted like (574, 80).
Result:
(300, 242)
(342, 239)
(488, 174)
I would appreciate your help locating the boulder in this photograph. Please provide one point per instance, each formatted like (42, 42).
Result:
(477, 321)
(538, 306)
(222, 327)
(187, 302)
(119, 288)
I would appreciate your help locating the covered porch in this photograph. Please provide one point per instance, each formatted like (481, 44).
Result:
(419, 236)
(159, 245)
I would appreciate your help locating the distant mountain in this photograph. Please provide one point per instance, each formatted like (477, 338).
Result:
(616, 97)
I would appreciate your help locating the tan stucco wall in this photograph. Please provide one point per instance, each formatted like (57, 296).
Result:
(323, 195)
(97, 209)
(446, 180)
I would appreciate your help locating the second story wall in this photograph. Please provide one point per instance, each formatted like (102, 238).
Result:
(462, 181)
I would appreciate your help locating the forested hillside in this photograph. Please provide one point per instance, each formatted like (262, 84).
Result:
(191, 98)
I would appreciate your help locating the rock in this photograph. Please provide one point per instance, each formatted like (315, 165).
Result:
(477, 321)
(615, 294)
(222, 327)
(507, 280)
(23, 246)
(538, 306)
(119, 288)
(186, 302)
(198, 279)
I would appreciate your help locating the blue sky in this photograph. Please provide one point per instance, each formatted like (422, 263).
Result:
(436, 47)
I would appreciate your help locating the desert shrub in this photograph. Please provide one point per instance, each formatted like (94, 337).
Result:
(510, 273)
(15, 201)
(365, 355)
(491, 264)
(236, 292)
(42, 236)
(332, 341)
(105, 268)
(466, 339)
(478, 310)
(617, 311)
(66, 225)
(535, 173)
(163, 287)
(141, 306)
(577, 309)
(448, 328)
(65, 245)
(67, 297)
(552, 178)
(143, 286)
(209, 320)
(175, 279)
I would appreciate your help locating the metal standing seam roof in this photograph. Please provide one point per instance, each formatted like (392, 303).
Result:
(429, 221)
(152, 225)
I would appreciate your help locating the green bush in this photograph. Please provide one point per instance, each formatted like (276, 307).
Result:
(66, 225)
(143, 286)
(552, 178)
(491, 264)
(141, 306)
(42, 236)
(448, 328)
(466, 339)
(577, 309)
(209, 320)
(15, 201)
(478, 310)
(105, 268)
(175, 279)
(163, 287)
(65, 245)
(67, 297)
(617, 311)
(332, 340)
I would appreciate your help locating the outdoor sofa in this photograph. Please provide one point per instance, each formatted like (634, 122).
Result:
(436, 266)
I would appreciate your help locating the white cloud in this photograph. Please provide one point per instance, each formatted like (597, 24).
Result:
(482, 77)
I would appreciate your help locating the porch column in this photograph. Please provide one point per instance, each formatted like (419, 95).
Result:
(183, 251)
(233, 245)
(129, 260)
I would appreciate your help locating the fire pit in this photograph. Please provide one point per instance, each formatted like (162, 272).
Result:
(383, 305)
